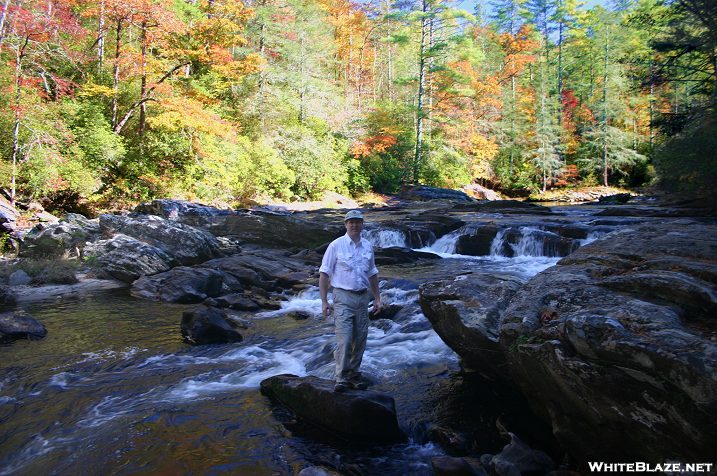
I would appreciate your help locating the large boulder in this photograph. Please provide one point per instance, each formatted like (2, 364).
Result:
(424, 192)
(356, 414)
(267, 269)
(181, 285)
(466, 313)
(186, 244)
(179, 209)
(64, 238)
(505, 207)
(518, 458)
(8, 216)
(206, 325)
(264, 227)
(617, 344)
(125, 258)
(398, 255)
(20, 326)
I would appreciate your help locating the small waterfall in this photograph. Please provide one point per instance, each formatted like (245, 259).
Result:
(385, 238)
(525, 241)
(444, 245)
(498, 243)
(531, 242)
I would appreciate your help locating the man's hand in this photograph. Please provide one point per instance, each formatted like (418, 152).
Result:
(326, 308)
(377, 306)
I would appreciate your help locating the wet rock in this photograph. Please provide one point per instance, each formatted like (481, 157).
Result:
(125, 258)
(615, 343)
(298, 315)
(517, 459)
(452, 466)
(355, 414)
(397, 255)
(181, 285)
(318, 471)
(236, 301)
(527, 241)
(453, 442)
(19, 278)
(476, 240)
(64, 238)
(387, 312)
(206, 325)
(422, 229)
(424, 192)
(7, 297)
(466, 313)
(20, 326)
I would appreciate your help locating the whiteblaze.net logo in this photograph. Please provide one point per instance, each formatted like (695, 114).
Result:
(642, 467)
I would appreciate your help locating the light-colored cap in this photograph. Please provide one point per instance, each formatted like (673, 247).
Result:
(354, 215)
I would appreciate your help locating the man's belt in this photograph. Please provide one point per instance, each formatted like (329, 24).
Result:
(352, 291)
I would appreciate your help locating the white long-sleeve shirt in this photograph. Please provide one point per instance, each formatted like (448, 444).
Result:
(349, 265)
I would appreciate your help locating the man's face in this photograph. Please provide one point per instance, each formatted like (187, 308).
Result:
(354, 227)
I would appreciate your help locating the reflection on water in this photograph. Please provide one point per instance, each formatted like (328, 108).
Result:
(112, 389)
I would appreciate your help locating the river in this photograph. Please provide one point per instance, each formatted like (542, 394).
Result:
(112, 389)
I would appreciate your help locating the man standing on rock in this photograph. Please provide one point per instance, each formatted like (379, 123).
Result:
(349, 267)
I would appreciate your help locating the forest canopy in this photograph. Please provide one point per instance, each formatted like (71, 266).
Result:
(120, 101)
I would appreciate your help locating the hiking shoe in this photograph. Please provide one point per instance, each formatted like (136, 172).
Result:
(341, 387)
(359, 385)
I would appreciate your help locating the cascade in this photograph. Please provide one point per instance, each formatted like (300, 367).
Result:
(385, 238)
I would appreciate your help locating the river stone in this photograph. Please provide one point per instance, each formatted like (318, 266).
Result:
(398, 255)
(236, 301)
(8, 216)
(7, 297)
(181, 285)
(19, 278)
(20, 326)
(454, 466)
(506, 207)
(517, 458)
(271, 270)
(476, 240)
(355, 414)
(186, 244)
(424, 192)
(179, 209)
(206, 325)
(616, 343)
(64, 238)
(125, 258)
(262, 227)
(466, 311)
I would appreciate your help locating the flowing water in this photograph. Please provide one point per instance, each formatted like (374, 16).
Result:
(112, 389)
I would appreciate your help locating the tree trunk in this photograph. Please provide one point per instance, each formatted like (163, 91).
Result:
(417, 157)
(604, 107)
(101, 37)
(3, 16)
(115, 82)
(19, 55)
(143, 84)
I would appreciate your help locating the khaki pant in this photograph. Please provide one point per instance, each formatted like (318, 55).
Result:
(351, 322)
